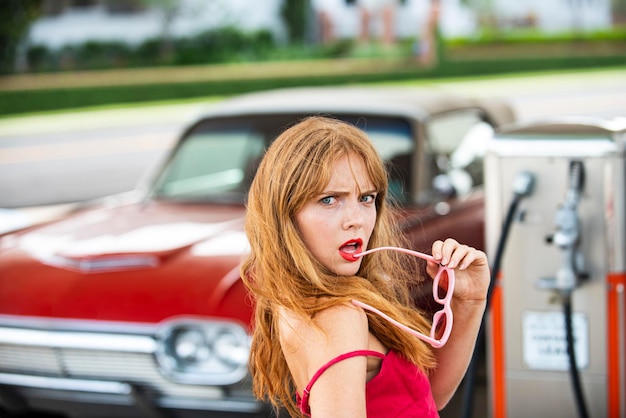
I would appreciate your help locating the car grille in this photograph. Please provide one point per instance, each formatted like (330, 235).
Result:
(125, 366)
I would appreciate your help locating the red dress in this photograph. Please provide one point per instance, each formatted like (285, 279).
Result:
(399, 389)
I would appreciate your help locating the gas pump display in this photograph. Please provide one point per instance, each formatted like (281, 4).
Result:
(557, 315)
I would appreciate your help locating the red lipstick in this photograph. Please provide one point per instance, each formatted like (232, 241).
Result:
(350, 248)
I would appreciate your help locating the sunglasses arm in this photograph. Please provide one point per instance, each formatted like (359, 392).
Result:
(436, 343)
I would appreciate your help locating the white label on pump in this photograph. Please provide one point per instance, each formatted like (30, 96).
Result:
(545, 344)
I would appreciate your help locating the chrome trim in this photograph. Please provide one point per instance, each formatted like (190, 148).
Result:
(103, 264)
(78, 340)
(567, 124)
(80, 325)
(613, 211)
(226, 405)
(547, 146)
(57, 383)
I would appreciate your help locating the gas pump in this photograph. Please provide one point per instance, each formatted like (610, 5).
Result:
(556, 328)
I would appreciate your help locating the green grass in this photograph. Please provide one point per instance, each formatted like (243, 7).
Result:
(237, 79)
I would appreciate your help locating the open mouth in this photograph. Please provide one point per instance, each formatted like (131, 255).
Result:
(349, 249)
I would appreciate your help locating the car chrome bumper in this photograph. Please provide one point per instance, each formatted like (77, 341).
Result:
(96, 398)
(55, 383)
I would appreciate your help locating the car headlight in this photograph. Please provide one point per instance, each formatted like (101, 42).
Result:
(203, 352)
(189, 346)
(228, 348)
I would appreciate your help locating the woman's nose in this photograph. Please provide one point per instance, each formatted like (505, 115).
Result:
(352, 217)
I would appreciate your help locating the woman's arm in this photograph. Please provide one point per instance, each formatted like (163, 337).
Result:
(340, 390)
(468, 304)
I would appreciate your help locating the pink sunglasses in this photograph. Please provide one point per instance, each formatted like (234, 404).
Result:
(446, 312)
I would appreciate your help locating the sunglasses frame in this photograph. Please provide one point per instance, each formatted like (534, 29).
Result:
(446, 311)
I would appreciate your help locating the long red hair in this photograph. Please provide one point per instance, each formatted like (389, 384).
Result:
(280, 271)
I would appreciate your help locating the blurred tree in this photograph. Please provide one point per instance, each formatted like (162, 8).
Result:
(618, 10)
(16, 17)
(169, 11)
(295, 14)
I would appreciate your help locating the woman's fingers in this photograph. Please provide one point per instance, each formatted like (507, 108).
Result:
(452, 254)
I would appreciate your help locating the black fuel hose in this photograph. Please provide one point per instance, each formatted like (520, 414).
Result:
(579, 397)
(523, 186)
(577, 179)
(470, 375)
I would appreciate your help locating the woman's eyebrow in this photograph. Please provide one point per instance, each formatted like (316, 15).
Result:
(345, 192)
(333, 192)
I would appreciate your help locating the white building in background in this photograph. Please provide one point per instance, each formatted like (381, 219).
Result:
(76, 21)
(559, 15)
(68, 22)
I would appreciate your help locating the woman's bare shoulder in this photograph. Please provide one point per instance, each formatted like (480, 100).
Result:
(309, 343)
(331, 326)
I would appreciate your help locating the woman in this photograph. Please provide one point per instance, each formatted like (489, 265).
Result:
(318, 200)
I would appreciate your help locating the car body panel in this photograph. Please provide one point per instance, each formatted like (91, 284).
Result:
(75, 268)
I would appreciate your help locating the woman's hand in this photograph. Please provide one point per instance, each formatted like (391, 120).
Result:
(472, 275)
(470, 266)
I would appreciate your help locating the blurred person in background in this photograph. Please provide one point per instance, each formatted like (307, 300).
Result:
(381, 12)
(426, 47)
(325, 11)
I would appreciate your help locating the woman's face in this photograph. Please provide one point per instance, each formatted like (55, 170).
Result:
(338, 223)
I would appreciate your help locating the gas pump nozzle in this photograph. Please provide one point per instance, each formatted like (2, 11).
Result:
(567, 236)
(523, 184)
(569, 274)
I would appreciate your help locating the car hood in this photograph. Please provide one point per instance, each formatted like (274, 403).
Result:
(158, 229)
(138, 262)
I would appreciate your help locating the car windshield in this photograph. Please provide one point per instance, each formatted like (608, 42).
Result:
(217, 159)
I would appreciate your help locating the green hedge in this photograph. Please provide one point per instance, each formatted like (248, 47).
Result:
(527, 36)
(225, 44)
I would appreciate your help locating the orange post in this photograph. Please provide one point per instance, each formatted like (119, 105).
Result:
(615, 364)
(498, 359)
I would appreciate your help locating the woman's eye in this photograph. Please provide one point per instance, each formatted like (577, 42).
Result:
(368, 198)
(327, 200)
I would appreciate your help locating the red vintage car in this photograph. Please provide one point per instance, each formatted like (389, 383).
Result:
(134, 307)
